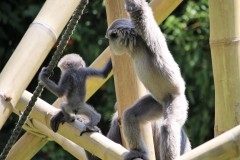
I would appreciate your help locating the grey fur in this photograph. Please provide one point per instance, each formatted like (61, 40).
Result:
(114, 135)
(160, 74)
(72, 84)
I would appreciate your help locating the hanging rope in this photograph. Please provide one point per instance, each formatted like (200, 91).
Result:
(52, 64)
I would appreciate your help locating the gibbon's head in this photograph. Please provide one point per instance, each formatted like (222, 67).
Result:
(71, 61)
(122, 36)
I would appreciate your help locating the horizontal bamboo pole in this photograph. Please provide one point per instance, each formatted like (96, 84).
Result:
(26, 147)
(224, 147)
(93, 142)
(31, 51)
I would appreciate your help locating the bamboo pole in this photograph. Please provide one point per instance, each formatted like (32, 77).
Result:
(127, 85)
(38, 134)
(31, 51)
(224, 147)
(163, 8)
(26, 147)
(71, 147)
(225, 51)
(93, 142)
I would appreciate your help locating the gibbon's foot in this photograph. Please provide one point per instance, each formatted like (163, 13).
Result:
(89, 129)
(136, 154)
(58, 119)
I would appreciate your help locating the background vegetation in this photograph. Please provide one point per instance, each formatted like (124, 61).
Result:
(187, 33)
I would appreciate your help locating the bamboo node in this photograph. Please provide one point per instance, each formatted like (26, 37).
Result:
(45, 27)
(227, 41)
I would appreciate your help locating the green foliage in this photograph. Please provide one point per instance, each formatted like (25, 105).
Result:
(187, 33)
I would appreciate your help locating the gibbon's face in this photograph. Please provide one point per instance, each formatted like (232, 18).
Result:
(121, 36)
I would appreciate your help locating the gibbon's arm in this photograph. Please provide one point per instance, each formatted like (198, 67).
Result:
(144, 23)
(104, 72)
(58, 90)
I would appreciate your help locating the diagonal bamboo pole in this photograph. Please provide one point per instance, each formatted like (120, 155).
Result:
(93, 142)
(223, 147)
(163, 8)
(31, 144)
(31, 51)
(225, 51)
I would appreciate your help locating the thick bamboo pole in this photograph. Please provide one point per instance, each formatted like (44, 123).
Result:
(127, 85)
(223, 147)
(93, 142)
(31, 51)
(225, 51)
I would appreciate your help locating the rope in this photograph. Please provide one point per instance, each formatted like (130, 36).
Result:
(52, 64)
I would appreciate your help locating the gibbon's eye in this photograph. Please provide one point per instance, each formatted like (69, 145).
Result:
(113, 35)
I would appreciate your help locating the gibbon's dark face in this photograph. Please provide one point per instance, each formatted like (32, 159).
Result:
(122, 36)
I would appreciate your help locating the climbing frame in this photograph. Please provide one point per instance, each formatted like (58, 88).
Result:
(35, 46)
